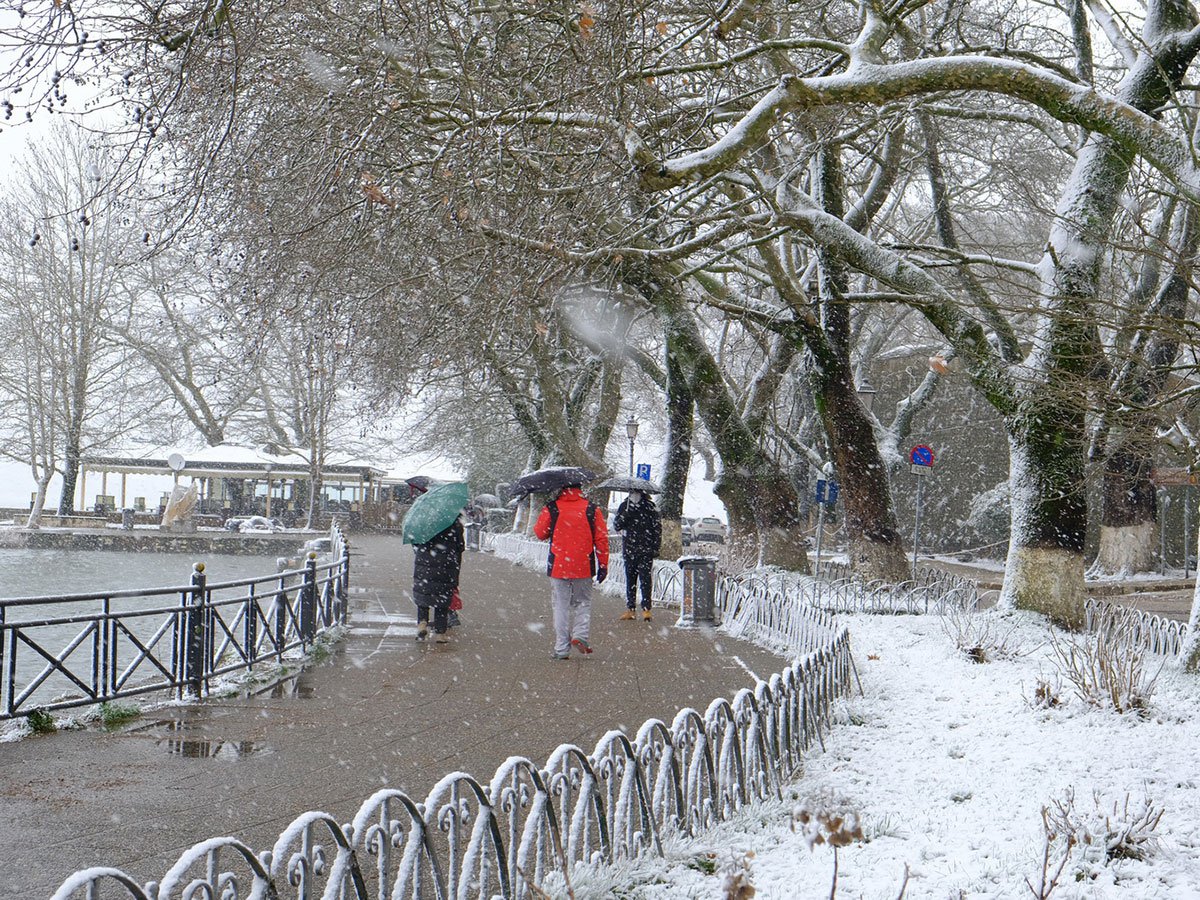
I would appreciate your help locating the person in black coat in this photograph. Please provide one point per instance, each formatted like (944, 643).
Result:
(638, 518)
(436, 567)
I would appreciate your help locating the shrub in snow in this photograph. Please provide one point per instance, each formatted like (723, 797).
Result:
(981, 637)
(1120, 830)
(1047, 693)
(1106, 669)
(737, 884)
(990, 515)
(41, 722)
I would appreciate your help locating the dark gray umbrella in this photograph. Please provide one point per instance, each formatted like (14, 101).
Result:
(554, 478)
(629, 483)
(419, 483)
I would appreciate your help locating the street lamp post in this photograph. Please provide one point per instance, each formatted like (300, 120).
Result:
(866, 393)
(631, 429)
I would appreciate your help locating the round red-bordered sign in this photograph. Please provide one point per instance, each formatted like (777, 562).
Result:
(921, 455)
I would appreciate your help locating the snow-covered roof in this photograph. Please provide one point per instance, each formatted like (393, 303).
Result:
(229, 461)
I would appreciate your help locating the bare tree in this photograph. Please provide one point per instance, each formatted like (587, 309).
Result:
(68, 244)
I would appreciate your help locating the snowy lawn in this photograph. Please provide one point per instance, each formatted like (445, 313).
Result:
(948, 765)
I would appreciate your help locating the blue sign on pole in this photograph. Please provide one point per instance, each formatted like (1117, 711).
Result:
(831, 494)
(921, 455)
(820, 490)
(643, 470)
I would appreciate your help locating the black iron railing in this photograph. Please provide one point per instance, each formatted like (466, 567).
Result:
(505, 837)
(75, 650)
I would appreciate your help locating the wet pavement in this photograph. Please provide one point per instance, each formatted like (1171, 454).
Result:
(381, 710)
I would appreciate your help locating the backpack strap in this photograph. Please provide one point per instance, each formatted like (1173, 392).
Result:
(552, 508)
(591, 520)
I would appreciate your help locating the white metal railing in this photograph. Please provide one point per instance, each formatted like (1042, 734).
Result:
(1138, 627)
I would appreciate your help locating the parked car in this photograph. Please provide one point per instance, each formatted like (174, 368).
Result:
(709, 528)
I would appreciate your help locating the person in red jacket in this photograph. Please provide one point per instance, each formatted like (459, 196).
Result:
(578, 551)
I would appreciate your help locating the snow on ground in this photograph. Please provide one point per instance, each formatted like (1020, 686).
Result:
(949, 765)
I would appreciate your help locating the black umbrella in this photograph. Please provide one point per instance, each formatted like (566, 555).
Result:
(554, 478)
(629, 483)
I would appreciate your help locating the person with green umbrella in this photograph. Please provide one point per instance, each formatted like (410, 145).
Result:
(432, 526)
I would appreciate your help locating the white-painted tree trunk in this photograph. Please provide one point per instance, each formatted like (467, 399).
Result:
(39, 503)
(1126, 549)
(1039, 575)
(1048, 580)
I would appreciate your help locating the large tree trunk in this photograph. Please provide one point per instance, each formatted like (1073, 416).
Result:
(39, 501)
(1129, 518)
(1189, 656)
(1046, 433)
(1049, 510)
(875, 545)
(680, 422)
(876, 548)
(71, 462)
(764, 511)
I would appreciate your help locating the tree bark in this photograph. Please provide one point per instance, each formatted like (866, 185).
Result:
(1189, 655)
(680, 422)
(39, 502)
(875, 545)
(764, 511)
(1129, 516)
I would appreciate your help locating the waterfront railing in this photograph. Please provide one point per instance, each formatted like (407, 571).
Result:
(530, 824)
(75, 650)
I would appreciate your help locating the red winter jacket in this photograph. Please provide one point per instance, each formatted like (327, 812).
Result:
(575, 549)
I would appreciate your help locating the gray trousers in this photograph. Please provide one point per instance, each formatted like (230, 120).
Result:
(571, 600)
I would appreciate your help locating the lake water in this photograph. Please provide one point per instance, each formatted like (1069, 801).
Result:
(28, 573)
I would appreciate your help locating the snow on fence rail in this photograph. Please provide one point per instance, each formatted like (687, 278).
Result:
(1138, 627)
(470, 839)
(81, 649)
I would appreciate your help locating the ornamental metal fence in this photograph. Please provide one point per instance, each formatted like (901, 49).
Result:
(1138, 627)
(835, 589)
(506, 837)
(63, 652)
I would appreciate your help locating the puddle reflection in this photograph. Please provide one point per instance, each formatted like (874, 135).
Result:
(176, 743)
(295, 686)
(193, 748)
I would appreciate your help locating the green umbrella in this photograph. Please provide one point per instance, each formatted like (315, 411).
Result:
(434, 511)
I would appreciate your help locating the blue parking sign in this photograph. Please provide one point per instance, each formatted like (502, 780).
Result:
(643, 470)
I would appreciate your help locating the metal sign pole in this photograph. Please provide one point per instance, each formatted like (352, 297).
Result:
(917, 526)
(821, 485)
(820, 534)
(1187, 531)
(1164, 503)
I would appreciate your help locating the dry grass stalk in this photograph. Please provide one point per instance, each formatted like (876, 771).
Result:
(1047, 694)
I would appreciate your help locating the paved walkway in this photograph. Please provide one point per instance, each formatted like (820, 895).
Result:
(383, 710)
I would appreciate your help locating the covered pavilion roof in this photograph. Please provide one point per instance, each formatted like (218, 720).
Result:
(228, 461)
